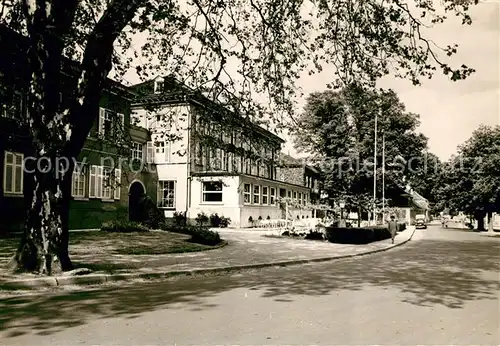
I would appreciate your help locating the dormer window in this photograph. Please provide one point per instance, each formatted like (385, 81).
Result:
(159, 83)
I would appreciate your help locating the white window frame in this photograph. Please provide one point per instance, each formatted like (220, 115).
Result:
(99, 185)
(137, 151)
(300, 197)
(161, 196)
(265, 195)
(78, 183)
(225, 159)
(107, 187)
(163, 151)
(159, 82)
(248, 165)
(206, 192)
(108, 115)
(256, 193)
(247, 193)
(235, 163)
(14, 166)
(272, 193)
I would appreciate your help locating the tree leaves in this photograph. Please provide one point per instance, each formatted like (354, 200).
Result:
(470, 182)
(261, 47)
(337, 129)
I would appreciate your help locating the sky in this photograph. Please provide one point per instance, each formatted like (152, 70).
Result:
(450, 111)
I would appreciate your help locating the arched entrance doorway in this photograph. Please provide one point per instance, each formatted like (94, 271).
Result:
(135, 193)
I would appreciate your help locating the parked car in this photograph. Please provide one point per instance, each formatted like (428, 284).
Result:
(420, 224)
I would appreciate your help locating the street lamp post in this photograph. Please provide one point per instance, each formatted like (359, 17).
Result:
(342, 205)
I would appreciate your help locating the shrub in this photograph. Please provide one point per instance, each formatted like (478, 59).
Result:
(152, 216)
(204, 236)
(285, 234)
(268, 217)
(201, 219)
(224, 222)
(314, 235)
(184, 229)
(123, 226)
(401, 226)
(180, 218)
(215, 220)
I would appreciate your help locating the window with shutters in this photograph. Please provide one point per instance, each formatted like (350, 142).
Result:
(236, 163)
(104, 182)
(13, 173)
(111, 124)
(107, 183)
(78, 181)
(215, 159)
(225, 158)
(248, 166)
(255, 168)
(163, 151)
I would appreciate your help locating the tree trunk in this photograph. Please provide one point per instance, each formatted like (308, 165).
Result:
(490, 222)
(44, 245)
(480, 221)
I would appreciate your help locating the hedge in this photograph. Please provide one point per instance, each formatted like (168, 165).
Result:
(199, 234)
(352, 235)
(123, 226)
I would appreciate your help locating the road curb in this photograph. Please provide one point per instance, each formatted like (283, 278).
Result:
(95, 279)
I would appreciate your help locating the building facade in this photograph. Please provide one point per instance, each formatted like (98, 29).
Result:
(105, 173)
(211, 160)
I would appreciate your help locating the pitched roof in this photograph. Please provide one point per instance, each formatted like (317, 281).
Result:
(176, 91)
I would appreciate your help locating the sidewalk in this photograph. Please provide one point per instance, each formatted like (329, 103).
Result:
(245, 250)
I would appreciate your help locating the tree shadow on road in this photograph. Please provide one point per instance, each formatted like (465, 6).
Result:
(428, 273)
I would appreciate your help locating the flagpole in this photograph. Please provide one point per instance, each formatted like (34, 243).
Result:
(383, 175)
(375, 172)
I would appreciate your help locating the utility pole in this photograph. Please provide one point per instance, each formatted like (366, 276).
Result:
(375, 173)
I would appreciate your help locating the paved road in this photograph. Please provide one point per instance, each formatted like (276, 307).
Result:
(442, 289)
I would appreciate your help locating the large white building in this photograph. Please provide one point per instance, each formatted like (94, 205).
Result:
(212, 160)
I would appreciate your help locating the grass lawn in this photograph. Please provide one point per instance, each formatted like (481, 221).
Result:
(86, 248)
